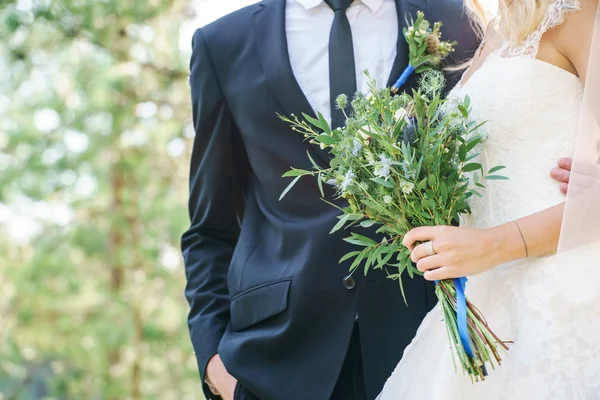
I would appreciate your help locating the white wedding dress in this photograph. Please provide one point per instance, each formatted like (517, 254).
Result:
(548, 307)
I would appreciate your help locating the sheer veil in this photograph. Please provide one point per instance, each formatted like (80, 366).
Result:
(580, 233)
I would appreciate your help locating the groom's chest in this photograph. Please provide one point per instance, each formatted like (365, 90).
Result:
(374, 36)
(274, 63)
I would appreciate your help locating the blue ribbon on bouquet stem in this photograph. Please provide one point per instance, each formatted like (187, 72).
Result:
(461, 313)
(408, 71)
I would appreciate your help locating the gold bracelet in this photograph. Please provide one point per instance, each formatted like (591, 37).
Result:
(523, 237)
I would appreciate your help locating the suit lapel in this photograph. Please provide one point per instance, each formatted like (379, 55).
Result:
(404, 8)
(271, 43)
(272, 47)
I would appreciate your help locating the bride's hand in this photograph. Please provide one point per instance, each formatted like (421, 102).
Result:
(458, 251)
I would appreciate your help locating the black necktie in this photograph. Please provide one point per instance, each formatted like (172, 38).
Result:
(342, 71)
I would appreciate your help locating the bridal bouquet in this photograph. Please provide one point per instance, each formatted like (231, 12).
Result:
(402, 162)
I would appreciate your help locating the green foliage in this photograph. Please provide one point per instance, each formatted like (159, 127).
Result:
(401, 162)
(405, 162)
(93, 115)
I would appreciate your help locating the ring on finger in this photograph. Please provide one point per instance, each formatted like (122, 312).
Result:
(429, 248)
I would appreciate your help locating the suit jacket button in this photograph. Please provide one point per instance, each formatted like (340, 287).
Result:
(349, 282)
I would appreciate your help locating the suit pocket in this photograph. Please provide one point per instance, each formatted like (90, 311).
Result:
(259, 303)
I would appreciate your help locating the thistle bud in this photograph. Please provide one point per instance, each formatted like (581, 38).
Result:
(433, 44)
(409, 133)
(342, 101)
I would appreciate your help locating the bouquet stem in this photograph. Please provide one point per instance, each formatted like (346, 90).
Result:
(471, 339)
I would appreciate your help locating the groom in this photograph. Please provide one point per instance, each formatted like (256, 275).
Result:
(274, 315)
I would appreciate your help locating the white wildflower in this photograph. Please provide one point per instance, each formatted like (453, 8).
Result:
(407, 187)
(400, 114)
(348, 179)
(387, 199)
(364, 132)
(331, 182)
(383, 167)
(323, 146)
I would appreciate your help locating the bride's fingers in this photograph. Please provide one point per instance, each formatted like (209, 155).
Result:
(430, 263)
(564, 188)
(565, 163)
(421, 234)
(560, 175)
(418, 253)
(439, 274)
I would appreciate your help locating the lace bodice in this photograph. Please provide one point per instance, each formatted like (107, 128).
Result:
(516, 96)
(555, 16)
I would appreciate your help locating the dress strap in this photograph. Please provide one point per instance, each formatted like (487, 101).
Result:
(555, 16)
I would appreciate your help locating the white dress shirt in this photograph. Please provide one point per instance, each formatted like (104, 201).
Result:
(374, 25)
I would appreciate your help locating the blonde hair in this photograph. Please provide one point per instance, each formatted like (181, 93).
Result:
(478, 16)
(518, 18)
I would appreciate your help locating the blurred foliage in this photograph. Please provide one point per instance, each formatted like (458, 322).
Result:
(94, 142)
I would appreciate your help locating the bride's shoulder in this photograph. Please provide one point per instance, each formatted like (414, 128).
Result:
(574, 36)
(580, 16)
(575, 18)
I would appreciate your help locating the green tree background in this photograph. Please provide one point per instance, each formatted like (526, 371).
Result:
(94, 144)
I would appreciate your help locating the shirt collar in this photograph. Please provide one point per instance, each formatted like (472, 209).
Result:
(374, 5)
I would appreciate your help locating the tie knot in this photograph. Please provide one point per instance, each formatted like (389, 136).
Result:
(339, 5)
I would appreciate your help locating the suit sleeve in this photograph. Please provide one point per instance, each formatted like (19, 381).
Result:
(218, 179)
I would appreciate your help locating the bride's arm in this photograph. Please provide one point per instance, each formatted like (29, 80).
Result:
(466, 252)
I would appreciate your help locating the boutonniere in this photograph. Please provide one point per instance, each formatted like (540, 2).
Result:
(426, 50)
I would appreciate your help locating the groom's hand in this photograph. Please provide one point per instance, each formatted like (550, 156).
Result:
(219, 380)
(562, 173)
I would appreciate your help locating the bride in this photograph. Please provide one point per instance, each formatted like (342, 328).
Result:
(528, 81)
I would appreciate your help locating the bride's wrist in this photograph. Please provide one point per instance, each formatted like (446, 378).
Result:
(507, 243)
